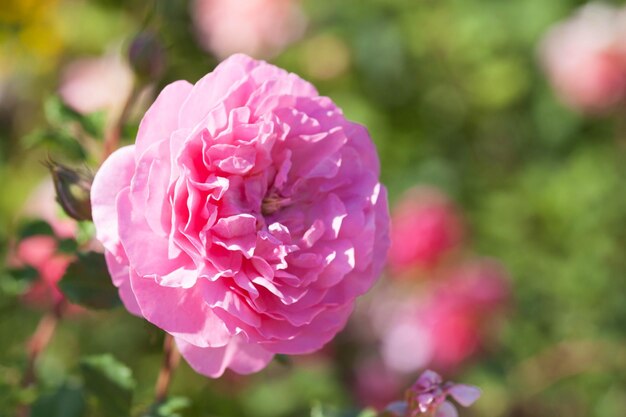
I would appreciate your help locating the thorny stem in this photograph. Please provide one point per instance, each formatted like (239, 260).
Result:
(171, 358)
(114, 132)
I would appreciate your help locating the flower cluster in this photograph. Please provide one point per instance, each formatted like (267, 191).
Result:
(445, 309)
(448, 321)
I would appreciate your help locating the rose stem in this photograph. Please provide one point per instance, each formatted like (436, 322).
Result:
(171, 358)
(36, 345)
(113, 134)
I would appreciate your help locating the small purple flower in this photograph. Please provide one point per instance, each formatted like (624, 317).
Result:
(427, 397)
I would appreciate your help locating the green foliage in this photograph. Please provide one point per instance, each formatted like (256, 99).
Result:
(59, 115)
(66, 401)
(318, 410)
(87, 282)
(25, 274)
(110, 382)
(59, 141)
(453, 96)
(16, 281)
(85, 232)
(169, 408)
(34, 228)
(69, 246)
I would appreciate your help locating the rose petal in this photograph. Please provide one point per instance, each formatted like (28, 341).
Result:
(159, 121)
(120, 274)
(180, 312)
(238, 355)
(114, 175)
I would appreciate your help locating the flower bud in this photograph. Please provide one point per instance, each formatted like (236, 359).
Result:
(146, 55)
(73, 187)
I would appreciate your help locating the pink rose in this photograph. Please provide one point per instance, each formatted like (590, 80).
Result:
(261, 28)
(246, 218)
(425, 227)
(585, 58)
(446, 327)
(96, 84)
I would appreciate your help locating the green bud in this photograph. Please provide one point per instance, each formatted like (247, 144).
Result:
(146, 55)
(73, 188)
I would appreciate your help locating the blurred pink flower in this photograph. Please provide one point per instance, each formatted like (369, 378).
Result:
(246, 218)
(425, 227)
(41, 251)
(96, 84)
(375, 384)
(260, 28)
(445, 327)
(585, 58)
(42, 204)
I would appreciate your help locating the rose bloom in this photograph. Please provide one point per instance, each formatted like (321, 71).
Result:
(246, 218)
(585, 58)
(446, 327)
(41, 251)
(261, 28)
(425, 227)
(96, 84)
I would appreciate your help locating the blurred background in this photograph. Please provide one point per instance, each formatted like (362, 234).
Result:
(501, 127)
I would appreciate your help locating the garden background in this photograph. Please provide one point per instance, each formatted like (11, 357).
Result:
(454, 96)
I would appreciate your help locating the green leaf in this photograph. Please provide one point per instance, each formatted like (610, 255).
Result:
(56, 139)
(66, 401)
(169, 408)
(87, 282)
(25, 274)
(111, 382)
(320, 410)
(284, 360)
(59, 114)
(16, 281)
(94, 124)
(69, 246)
(86, 232)
(34, 228)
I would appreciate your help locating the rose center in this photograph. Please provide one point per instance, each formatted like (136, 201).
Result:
(272, 203)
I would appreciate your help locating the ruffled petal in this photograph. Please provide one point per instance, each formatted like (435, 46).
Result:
(161, 119)
(114, 175)
(238, 355)
(214, 88)
(147, 252)
(181, 312)
(120, 274)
